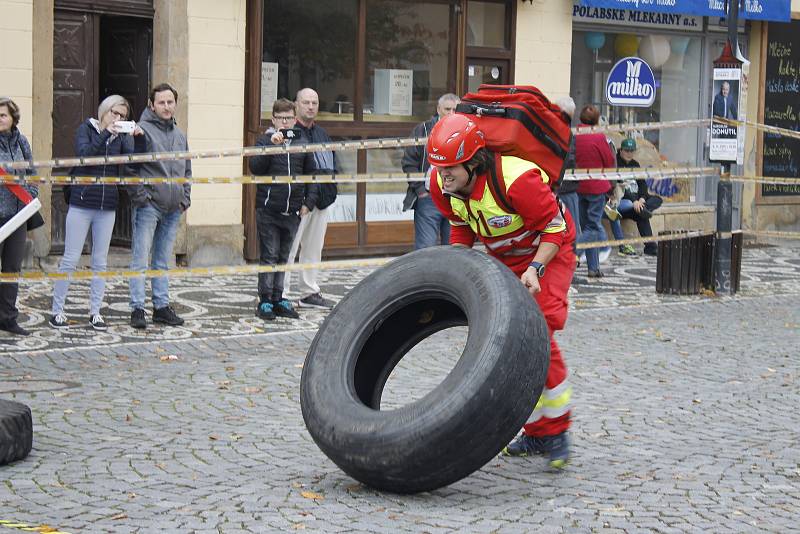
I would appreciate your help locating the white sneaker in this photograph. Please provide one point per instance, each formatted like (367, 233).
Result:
(97, 322)
(59, 321)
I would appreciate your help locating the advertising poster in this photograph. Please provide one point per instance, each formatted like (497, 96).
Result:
(725, 138)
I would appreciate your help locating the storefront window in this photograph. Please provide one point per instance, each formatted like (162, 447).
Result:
(308, 43)
(385, 199)
(344, 209)
(675, 60)
(486, 24)
(408, 59)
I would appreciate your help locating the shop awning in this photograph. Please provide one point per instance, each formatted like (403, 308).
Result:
(774, 10)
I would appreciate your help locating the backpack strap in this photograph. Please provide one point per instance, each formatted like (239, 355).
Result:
(497, 186)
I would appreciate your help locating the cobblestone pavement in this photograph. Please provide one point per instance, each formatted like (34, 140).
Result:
(685, 420)
(225, 305)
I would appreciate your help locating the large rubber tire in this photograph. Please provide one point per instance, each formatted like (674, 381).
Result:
(470, 416)
(16, 431)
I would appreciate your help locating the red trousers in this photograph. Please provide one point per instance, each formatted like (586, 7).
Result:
(550, 415)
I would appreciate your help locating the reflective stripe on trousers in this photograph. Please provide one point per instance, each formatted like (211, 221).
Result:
(552, 403)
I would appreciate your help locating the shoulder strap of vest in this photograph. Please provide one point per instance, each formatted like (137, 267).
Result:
(497, 186)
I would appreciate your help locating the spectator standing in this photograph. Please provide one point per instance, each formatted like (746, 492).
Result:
(568, 189)
(280, 207)
(431, 228)
(310, 236)
(93, 206)
(592, 152)
(13, 147)
(157, 208)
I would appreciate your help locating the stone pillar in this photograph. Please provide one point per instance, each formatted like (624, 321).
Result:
(544, 46)
(42, 114)
(199, 48)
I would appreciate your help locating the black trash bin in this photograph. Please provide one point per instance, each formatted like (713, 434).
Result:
(686, 266)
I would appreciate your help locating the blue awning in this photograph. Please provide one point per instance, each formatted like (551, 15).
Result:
(775, 10)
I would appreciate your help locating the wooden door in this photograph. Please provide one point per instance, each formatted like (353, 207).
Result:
(125, 53)
(75, 38)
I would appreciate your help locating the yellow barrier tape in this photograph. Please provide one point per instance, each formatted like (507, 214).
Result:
(42, 529)
(758, 126)
(772, 233)
(277, 179)
(765, 180)
(386, 142)
(655, 173)
(652, 239)
(621, 128)
(322, 266)
(189, 272)
(365, 144)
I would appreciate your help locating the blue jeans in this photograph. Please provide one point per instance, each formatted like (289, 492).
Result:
(431, 228)
(591, 208)
(78, 222)
(570, 201)
(153, 231)
(616, 226)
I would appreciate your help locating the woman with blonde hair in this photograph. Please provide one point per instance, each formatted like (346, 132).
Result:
(93, 206)
(13, 147)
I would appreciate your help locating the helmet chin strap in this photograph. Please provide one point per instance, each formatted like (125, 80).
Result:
(470, 172)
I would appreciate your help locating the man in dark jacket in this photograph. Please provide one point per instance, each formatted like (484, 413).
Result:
(637, 203)
(157, 208)
(430, 226)
(279, 208)
(310, 236)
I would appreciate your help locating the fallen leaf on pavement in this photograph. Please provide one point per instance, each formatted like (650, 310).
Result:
(311, 495)
(252, 389)
(168, 358)
(120, 516)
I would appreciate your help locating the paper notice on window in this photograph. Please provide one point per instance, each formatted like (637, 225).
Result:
(393, 91)
(269, 86)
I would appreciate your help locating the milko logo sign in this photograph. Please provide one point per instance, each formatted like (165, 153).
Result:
(631, 83)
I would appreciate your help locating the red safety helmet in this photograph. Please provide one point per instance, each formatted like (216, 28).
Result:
(454, 139)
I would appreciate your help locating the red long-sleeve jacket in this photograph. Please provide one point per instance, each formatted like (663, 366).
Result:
(532, 200)
(592, 152)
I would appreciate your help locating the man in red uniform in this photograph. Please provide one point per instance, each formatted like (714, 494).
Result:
(527, 231)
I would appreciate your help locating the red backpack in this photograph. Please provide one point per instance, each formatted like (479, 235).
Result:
(518, 120)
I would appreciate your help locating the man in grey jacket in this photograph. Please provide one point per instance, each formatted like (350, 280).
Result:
(431, 228)
(157, 208)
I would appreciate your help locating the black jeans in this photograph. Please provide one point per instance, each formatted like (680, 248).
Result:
(12, 251)
(275, 235)
(643, 223)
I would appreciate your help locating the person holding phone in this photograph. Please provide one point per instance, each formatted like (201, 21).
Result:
(93, 206)
(280, 206)
(14, 146)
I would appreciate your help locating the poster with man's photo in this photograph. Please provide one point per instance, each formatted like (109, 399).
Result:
(729, 101)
